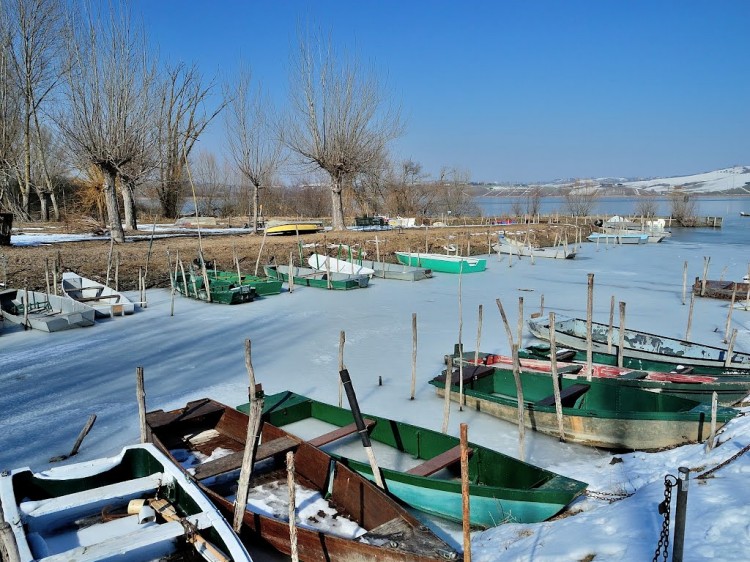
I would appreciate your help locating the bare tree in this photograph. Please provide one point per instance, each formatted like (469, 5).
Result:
(10, 123)
(183, 116)
(107, 116)
(646, 206)
(253, 142)
(534, 200)
(581, 199)
(683, 207)
(339, 121)
(36, 54)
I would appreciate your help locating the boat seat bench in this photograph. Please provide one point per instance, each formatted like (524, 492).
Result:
(431, 466)
(339, 433)
(568, 396)
(233, 461)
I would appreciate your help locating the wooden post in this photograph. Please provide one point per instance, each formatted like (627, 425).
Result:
(730, 349)
(46, 275)
(610, 328)
(690, 316)
(109, 259)
(714, 408)
(8, 545)
(342, 341)
(447, 397)
(520, 320)
(251, 440)
(292, 505)
(413, 354)
(519, 396)
(729, 313)
(117, 270)
(361, 428)
(465, 495)
(505, 321)
(684, 281)
(553, 370)
(328, 273)
(706, 261)
(290, 278)
(173, 278)
(541, 304)
(260, 252)
(377, 249)
(140, 393)
(479, 337)
(589, 315)
(26, 308)
(460, 340)
(621, 333)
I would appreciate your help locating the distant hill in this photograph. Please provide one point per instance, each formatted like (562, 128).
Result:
(728, 181)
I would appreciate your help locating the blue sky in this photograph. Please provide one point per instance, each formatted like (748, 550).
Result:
(513, 90)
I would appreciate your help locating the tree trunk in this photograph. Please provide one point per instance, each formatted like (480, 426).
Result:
(128, 197)
(337, 202)
(113, 211)
(256, 206)
(55, 206)
(43, 205)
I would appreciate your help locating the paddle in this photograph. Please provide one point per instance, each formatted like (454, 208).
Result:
(361, 427)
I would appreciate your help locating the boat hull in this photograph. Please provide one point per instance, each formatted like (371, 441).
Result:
(510, 489)
(105, 301)
(506, 246)
(307, 277)
(47, 313)
(443, 263)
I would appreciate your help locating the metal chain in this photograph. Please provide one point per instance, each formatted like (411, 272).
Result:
(664, 508)
(608, 496)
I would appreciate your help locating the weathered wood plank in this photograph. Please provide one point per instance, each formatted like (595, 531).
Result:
(337, 434)
(233, 461)
(431, 466)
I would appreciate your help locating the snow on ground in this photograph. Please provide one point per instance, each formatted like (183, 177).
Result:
(708, 182)
(52, 382)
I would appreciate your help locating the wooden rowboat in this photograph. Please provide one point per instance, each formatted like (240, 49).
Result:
(596, 412)
(105, 301)
(326, 264)
(426, 472)
(729, 389)
(308, 277)
(385, 270)
(222, 291)
(48, 313)
(136, 506)
(571, 332)
(517, 248)
(263, 286)
(721, 289)
(293, 227)
(340, 515)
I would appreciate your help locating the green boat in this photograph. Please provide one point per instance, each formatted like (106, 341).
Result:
(596, 412)
(442, 263)
(222, 291)
(263, 285)
(730, 389)
(308, 277)
(502, 488)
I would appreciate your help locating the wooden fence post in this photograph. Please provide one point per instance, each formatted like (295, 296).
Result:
(140, 393)
(413, 354)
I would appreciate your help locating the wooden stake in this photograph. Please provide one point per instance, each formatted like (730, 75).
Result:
(706, 261)
(555, 385)
(541, 304)
(684, 281)
(519, 396)
(361, 428)
(342, 341)
(465, 495)
(251, 441)
(26, 325)
(109, 258)
(260, 252)
(589, 314)
(173, 279)
(84, 432)
(413, 354)
(140, 393)
(460, 342)
(729, 313)
(714, 408)
(46, 275)
(292, 505)
(730, 349)
(505, 321)
(621, 333)
(520, 321)
(447, 396)
(290, 279)
(479, 337)
(690, 317)
(610, 328)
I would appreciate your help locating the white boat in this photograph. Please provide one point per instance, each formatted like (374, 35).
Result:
(135, 506)
(334, 265)
(618, 238)
(385, 270)
(517, 248)
(48, 313)
(654, 229)
(105, 301)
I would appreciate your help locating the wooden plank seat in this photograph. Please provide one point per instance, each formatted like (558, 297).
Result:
(431, 466)
(339, 433)
(568, 396)
(233, 461)
(634, 375)
(36, 306)
(99, 298)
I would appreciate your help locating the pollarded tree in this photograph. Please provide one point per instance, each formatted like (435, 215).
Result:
(107, 119)
(182, 118)
(253, 142)
(339, 121)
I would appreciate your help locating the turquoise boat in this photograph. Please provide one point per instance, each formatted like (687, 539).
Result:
(442, 263)
(502, 488)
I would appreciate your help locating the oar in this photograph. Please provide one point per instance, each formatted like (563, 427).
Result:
(361, 428)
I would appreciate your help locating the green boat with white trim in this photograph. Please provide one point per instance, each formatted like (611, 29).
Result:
(442, 263)
(503, 489)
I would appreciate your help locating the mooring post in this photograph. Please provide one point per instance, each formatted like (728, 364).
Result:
(589, 314)
(680, 513)
(684, 281)
(465, 494)
(413, 354)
